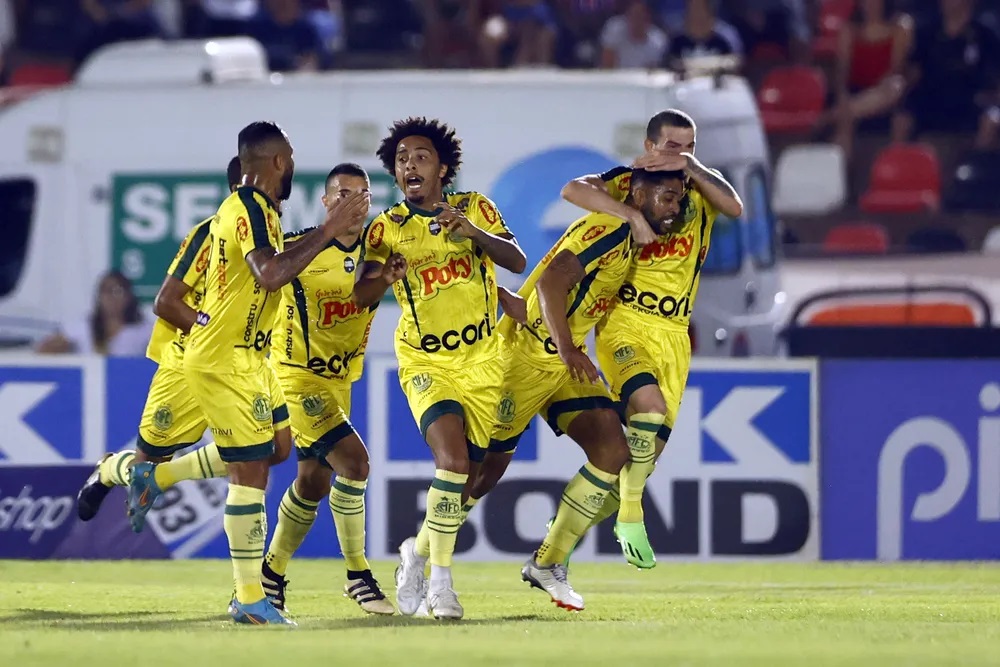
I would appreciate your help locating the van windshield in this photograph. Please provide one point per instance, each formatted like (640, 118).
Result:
(17, 201)
(725, 254)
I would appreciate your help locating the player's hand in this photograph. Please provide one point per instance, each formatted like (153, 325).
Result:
(454, 221)
(394, 269)
(581, 368)
(346, 215)
(514, 306)
(660, 160)
(642, 232)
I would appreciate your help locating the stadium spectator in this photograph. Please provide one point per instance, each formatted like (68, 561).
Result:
(781, 23)
(871, 56)
(220, 18)
(581, 23)
(701, 35)
(450, 30)
(327, 18)
(522, 33)
(6, 31)
(952, 74)
(49, 29)
(110, 21)
(288, 37)
(631, 41)
(116, 326)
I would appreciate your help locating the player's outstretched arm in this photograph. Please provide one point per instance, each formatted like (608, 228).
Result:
(375, 278)
(553, 286)
(274, 270)
(590, 193)
(170, 307)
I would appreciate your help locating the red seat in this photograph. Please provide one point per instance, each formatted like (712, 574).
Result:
(833, 14)
(791, 98)
(40, 74)
(857, 238)
(905, 178)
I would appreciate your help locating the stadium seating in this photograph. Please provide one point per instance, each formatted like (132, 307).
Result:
(991, 245)
(40, 74)
(792, 98)
(905, 178)
(935, 240)
(833, 14)
(975, 185)
(857, 238)
(810, 180)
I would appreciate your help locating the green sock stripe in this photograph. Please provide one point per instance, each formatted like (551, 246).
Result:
(348, 490)
(649, 427)
(441, 531)
(448, 487)
(590, 477)
(613, 494)
(341, 512)
(295, 499)
(242, 510)
(342, 507)
(202, 459)
(125, 458)
(291, 517)
(261, 556)
(467, 507)
(442, 524)
(245, 551)
(577, 507)
(645, 459)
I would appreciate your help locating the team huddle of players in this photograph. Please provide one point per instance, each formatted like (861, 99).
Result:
(261, 334)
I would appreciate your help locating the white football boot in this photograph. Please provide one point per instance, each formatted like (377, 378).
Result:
(552, 579)
(410, 578)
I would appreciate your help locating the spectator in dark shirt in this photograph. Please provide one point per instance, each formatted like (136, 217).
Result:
(109, 21)
(450, 31)
(701, 36)
(288, 37)
(952, 74)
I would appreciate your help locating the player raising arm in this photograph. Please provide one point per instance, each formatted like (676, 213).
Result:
(438, 253)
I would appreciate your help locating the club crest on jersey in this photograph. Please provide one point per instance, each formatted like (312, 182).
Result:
(163, 418)
(242, 228)
(261, 408)
(349, 264)
(397, 218)
(434, 227)
(506, 408)
(624, 354)
(313, 405)
(375, 233)
(422, 382)
(593, 233)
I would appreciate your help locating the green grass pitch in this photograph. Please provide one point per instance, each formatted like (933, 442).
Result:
(173, 613)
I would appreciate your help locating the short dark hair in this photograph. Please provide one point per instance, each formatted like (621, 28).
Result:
(255, 140)
(346, 169)
(447, 145)
(668, 118)
(234, 172)
(643, 177)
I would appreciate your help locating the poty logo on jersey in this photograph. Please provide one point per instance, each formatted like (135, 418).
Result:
(42, 419)
(593, 233)
(335, 310)
(599, 307)
(455, 270)
(915, 473)
(676, 246)
(202, 263)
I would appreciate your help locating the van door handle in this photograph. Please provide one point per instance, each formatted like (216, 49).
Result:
(750, 296)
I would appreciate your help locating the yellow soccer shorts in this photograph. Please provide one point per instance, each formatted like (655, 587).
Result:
(320, 412)
(632, 360)
(239, 409)
(172, 419)
(471, 393)
(529, 389)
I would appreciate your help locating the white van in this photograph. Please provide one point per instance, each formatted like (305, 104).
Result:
(111, 171)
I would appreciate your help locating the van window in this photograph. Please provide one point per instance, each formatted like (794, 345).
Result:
(760, 219)
(17, 202)
(725, 252)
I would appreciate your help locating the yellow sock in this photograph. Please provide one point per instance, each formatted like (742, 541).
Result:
(347, 502)
(641, 436)
(467, 507)
(611, 504)
(203, 463)
(114, 470)
(423, 545)
(581, 501)
(295, 517)
(444, 515)
(246, 527)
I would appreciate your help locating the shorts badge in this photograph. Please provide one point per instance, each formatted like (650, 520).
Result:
(313, 405)
(261, 408)
(624, 354)
(506, 408)
(422, 382)
(163, 418)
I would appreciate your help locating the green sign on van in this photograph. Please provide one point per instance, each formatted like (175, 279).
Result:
(152, 213)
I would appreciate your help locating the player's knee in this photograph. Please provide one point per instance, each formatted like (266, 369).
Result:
(648, 399)
(354, 468)
(452, 461)
(611, 452)
(313, 487)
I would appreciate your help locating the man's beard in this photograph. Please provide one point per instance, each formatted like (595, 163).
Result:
(286, 185)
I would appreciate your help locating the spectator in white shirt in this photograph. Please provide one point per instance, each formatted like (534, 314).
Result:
(631, 41)
(115, 328)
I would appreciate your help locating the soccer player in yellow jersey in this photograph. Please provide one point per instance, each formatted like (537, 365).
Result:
(225, 361)
(643, 345)
(172, 419)
(438, 253)
(317, 350)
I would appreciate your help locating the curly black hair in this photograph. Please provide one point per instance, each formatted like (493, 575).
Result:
(447, 145)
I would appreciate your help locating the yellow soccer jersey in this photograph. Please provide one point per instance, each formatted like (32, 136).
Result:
(449, 294)
(319, 328)
(234, 324)
(166, 344)
(603, 244)
(618, 180)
